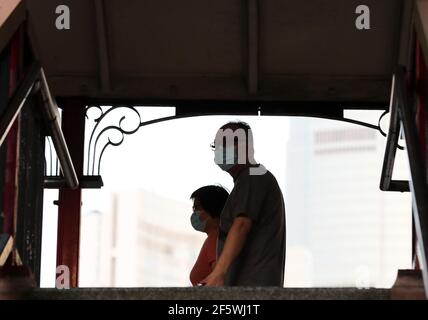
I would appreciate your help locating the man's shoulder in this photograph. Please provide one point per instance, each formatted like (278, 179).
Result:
(259, 173)
(265, 182)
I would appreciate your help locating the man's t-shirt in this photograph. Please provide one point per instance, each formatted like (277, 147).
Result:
(261, 261)
(205, 262)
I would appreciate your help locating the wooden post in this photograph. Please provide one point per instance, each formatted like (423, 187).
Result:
(69, 204)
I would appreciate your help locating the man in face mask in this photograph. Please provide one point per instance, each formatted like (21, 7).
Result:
(208, 202)
(251, 242)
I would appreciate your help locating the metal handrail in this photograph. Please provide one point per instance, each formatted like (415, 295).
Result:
(386, 182)
(402, 114)
(50, 112)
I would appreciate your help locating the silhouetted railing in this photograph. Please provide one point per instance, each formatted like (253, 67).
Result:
(403, 116)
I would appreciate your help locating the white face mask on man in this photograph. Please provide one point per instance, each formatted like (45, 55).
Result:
(228, 161)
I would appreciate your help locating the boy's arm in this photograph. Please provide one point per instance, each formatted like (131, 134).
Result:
(233, 245)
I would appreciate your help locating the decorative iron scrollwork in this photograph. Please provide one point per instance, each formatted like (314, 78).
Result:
(111, 126)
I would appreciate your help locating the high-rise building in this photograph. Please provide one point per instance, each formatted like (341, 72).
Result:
(341, 229)
(137, 239)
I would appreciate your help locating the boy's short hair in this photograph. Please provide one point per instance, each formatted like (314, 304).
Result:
(211, 198)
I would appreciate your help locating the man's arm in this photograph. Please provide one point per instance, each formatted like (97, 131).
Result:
(233, 245)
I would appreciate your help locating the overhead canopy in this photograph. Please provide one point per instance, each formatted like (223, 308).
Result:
(224, 50)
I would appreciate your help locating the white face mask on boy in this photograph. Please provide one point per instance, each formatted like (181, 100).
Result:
(197, 222)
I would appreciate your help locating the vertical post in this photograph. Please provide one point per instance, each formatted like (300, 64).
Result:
(422, 120)
(422, 90)
(10, 191)
(30, 202)
(69, 204)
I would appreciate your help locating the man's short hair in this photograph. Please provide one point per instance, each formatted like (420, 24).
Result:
(237, 125)
(211, 198)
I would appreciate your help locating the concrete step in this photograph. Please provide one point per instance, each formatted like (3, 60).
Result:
(230, 293)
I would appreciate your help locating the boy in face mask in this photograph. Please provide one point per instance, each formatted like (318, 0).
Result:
(208, 202)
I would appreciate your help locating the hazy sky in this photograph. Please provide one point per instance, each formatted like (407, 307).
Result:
(174, 158)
